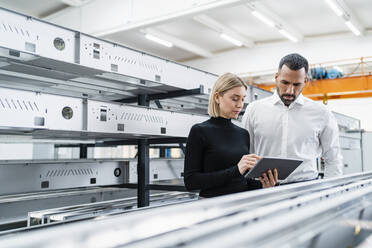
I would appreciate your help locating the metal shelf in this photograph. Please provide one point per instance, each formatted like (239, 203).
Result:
(57, 59)
(53, 116)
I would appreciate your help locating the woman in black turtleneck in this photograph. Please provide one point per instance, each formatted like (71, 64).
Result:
(217, 151)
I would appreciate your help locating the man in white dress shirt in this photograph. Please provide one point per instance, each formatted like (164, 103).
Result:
(289, 125)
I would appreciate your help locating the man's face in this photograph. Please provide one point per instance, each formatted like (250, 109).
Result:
(289, 84)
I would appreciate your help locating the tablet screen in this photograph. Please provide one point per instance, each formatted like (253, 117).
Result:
(284, 166)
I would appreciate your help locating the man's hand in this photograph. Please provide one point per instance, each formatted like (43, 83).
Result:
(269, 179)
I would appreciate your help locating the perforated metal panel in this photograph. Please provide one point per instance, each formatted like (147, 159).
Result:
(30, 110)
(27, 176)
(57, 115)
(160, 169)
(29, 35)
(22, 109)
(117, 118)
(114, 58)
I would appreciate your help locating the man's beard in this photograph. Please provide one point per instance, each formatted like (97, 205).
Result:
(287, 102)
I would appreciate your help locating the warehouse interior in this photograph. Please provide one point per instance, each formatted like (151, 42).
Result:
(97, 99)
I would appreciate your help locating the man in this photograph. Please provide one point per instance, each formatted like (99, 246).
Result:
(289, 125)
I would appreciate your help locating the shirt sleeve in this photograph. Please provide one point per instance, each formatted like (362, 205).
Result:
(247, 123)
(331, 151)
(194, 177)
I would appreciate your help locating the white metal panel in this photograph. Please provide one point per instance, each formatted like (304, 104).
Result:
(110, 57)
(29, 35)
(160, 169)
(352, 161)
(56, 105)
(48, 174)
(367, 154)
(26, 109)
(118, 118)
(22, 109)
(113, 58)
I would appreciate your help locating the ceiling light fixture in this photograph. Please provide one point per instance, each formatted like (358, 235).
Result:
(287, 35)
(272, 22)
(232, 40)
(335, 7)
(263, 18)
(352, 27)
(158, 40)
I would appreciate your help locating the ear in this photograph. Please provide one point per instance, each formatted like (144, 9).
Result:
(276, 77)
(306, 79)
(217, 97)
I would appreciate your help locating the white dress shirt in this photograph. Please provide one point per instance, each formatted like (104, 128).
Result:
(305, 130)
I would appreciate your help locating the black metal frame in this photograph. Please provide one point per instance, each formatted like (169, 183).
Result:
(143, 171)
(160, 96)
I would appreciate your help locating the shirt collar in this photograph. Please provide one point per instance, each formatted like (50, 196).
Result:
(275, 99)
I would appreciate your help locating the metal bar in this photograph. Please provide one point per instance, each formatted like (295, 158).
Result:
(143, 100)
(162, 152)
(72, 145)
(143, 170)
(167, 187)
(143, 173)
(83, 151)
(160, 96)
(158, 104)
(171, 140)
(183, 148)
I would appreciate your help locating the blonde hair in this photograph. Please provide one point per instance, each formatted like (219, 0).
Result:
(224, 83)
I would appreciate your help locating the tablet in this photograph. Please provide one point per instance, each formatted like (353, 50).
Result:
(284, 166)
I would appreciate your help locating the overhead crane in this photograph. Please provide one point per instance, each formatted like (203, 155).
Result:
(352, 86)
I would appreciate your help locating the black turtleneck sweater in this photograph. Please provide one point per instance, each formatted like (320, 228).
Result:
(213, 151)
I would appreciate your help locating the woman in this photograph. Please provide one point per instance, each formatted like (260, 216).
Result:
(217, 150)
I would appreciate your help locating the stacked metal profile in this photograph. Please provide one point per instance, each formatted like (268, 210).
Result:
(59, 84)
(103, 209)
(325, 213)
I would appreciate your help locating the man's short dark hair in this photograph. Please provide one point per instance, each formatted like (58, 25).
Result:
(295, 62)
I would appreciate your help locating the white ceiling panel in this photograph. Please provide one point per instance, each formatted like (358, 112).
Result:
(135, 39)
(363, 10)
(240, 19)
(36, 8)
(196, 33)
(310, 18)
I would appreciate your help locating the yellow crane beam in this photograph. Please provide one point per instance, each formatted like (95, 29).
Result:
(339, 88)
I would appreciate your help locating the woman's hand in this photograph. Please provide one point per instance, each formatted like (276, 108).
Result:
(269, 179)
(247, 162)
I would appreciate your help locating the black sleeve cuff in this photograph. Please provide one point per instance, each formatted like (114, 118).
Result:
(236, 172)
(253, 184)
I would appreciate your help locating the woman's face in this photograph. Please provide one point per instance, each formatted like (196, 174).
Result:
(231, 102)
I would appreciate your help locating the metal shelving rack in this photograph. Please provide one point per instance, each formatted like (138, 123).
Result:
(57, 83)
(62, 84)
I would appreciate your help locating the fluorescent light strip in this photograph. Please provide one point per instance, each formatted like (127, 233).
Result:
(263, 18)
(288, 35)
(232, 40)
(158, 40)
(335, 7)
(354, 29)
